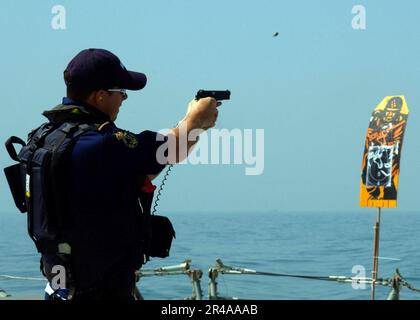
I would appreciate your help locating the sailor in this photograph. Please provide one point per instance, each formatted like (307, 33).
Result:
(101, 177)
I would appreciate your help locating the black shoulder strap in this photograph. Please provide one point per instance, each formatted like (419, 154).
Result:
(66, 136)
(10, 147)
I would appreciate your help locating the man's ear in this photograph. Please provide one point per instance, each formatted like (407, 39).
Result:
(96, 97)
(100, 95)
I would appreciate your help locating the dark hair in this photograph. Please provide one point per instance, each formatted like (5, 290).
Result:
(76, 93)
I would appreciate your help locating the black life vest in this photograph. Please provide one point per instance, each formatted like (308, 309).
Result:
(37, 182)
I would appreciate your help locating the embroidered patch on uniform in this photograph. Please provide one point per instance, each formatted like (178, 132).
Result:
(129, 139)
(119, 135)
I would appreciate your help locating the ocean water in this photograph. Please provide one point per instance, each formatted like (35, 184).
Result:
(315, 244)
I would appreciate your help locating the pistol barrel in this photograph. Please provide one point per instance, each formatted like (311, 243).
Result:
(216, 94)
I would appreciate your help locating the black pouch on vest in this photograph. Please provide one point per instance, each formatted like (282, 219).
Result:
(15, 176)
(158, 230)
(162, 234)
(15, 181)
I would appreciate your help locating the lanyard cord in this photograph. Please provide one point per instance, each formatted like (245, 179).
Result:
(161, 187)
(168, 170)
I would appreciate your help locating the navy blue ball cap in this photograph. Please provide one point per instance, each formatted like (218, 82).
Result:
(96, 69)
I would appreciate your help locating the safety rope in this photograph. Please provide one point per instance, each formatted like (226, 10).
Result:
(9, 277)
(224, 269)
(343, 279)
(409, 286)
(405, 283)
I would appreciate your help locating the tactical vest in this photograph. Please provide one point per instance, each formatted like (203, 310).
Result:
(37, 184)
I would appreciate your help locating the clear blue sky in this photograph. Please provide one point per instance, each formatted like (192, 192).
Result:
(312, 88)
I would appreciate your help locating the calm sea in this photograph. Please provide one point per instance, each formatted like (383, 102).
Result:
(315, 244)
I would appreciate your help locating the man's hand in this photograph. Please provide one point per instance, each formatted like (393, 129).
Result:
(202, 114)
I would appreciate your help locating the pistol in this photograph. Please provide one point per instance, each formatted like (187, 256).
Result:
(216, 94)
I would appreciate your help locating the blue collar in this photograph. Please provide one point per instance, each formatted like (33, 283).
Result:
(68, 101)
